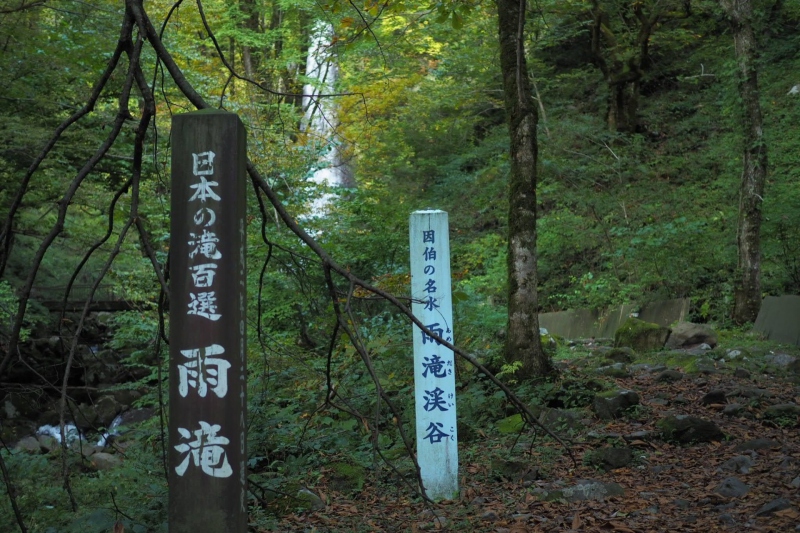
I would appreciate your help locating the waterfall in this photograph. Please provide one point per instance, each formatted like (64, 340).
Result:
(320, 117)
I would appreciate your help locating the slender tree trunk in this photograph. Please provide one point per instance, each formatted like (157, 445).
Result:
(523, 342)
(754, 171)
(251, 23)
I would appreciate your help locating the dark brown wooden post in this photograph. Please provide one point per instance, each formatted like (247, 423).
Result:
(208, 374)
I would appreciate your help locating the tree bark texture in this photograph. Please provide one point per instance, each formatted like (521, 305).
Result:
(523, 342)
(754, 172)
(251, 24)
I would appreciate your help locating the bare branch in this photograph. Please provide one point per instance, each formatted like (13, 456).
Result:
(22, 7)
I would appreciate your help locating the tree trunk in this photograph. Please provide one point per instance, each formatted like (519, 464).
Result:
(754, 171)
(623, 105)
(523, 342)
(251, 23)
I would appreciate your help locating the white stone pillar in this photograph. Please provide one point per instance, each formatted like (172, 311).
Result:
(434, 365)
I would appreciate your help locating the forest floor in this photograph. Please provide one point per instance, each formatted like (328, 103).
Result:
(667, 487)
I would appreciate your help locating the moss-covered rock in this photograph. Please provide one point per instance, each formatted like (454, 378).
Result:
(686, 429)
(622, 354)
(613, 404)
(510, 424)
(346, 477)
(641, 336)
(609, 458)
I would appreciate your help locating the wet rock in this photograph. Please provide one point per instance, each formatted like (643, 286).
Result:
(669, 376)
(106, 408)
(47, 443)
(732, 488)
(610, 406)
(685, 334)
(136, 416)
(686, 429)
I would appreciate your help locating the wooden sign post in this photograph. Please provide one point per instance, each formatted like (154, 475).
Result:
(208, 371)
(434, 365)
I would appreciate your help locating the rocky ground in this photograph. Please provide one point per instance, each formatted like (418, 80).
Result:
(697, 436)
(690, 441)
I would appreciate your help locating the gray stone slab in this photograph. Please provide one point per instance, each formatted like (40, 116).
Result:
(779, 319)
(585, 323)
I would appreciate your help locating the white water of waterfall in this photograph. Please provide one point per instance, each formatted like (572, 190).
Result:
(320, 119)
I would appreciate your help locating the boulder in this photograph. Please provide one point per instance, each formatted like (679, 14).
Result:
(739, 463)
(610, 406)
(609, 458)
(732, 488)
(514, 470)
(310, 500)
(716, 396)
(782, 410)
(688, 334)
(29, 444)
(780, 360)
(622, 354)
(669, 376)
(686, 429)
(774, 506)
(106, 408)
(346, 477)
(641, 336)
(105, 461)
